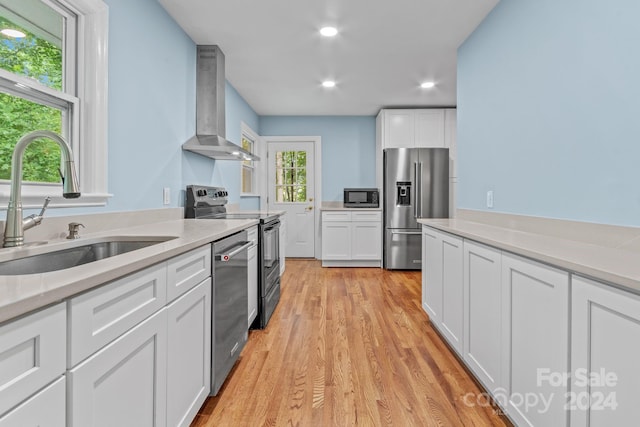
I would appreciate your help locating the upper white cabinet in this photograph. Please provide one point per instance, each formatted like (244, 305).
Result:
(535, 319)
(605, 345)
(483, 323)
(419, 127)
(351, 238)
(413, 128)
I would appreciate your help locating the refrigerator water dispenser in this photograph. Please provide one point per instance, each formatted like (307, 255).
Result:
(403, 193)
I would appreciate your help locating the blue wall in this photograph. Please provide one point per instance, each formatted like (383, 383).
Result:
(348, 147)
(548, 95)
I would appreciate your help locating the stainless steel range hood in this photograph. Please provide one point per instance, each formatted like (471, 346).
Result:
(210, 140)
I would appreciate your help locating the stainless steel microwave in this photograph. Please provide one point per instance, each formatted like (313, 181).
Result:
(361, 198)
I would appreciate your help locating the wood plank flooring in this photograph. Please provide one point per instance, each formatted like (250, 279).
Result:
(347, 347)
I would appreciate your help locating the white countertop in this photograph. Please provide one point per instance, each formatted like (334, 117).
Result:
(339, 206)
(24, 293)
(616, 266)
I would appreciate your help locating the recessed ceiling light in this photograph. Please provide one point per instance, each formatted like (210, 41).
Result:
(10, 32)
(328, 31)
(328, 83)
(427, 85)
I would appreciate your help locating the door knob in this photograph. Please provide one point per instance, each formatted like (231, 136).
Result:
(309, 208)
(311, 199)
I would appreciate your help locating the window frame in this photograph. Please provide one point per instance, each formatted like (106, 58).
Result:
(87, 130)
(250, 134)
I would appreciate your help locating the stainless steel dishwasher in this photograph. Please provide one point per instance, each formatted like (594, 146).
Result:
(230, 266)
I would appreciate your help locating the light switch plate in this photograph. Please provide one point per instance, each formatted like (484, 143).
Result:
(166, 195)
(490, 199)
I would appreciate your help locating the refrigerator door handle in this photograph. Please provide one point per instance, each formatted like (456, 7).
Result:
(416, 189)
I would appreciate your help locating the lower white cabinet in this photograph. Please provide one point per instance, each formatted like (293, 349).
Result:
(282, 242)
(605, 350)
(32, 354)
(45, 409)
(482, 306)
(351, 238)
(188, 354)
(252, 275)
(125, 382)
(442, 284)
(535, 341)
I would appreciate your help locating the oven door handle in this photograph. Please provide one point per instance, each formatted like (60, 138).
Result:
(224, 257)
(273, 227)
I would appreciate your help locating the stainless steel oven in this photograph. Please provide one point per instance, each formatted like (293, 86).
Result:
(210, 203)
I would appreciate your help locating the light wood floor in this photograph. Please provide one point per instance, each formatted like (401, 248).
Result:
(347, 347)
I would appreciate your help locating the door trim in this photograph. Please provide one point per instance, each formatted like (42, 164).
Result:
(317, 154)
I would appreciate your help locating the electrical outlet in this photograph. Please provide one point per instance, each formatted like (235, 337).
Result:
(490, 199)
(166, 195)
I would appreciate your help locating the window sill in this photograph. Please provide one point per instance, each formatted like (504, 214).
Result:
(249, 195)
(34, 199)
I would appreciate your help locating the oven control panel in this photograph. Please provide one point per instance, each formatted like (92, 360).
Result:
(199, 195)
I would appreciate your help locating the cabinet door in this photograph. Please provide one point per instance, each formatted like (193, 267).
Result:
(252, 284)
(535, 343)
(366, 240)
(187, 270)
(103, 314)
(452, 319)
(32, 354)
(450, 138)
(336, 240)
(482, 296)
(429, 128)
(188, 354)
(605, 344)
(45, 409)
(399, 129)
(432, 275)
(124, 384)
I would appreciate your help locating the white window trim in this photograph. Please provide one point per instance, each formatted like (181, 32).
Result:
(91, 158)
(257, 166)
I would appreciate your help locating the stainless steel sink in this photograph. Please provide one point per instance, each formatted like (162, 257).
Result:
(79, 254)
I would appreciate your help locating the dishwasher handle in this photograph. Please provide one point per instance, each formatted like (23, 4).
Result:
(226, 256)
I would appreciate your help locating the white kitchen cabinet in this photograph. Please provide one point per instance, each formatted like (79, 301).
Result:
(429, 128)
(252, 275)
(103, 314)
(188, 354)
(482, 306)
(125, 382)
(282, 243)
(442, 284)
(605, 344)
(45, 409)
(32, 354)
(535, 342)
(409, 128)
(187, 270)
(351, 238)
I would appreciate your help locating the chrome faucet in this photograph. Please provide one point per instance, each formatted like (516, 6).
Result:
(14, 229)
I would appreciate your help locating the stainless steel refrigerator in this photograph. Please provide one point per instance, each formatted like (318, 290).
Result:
(416, 185)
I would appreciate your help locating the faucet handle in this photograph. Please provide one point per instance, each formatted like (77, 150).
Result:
(44, 207)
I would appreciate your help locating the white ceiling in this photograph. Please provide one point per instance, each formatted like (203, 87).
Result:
(276, 58)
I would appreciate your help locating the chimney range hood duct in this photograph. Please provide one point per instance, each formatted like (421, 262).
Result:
(210, 140)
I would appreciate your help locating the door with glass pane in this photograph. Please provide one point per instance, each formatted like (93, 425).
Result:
(291, 189)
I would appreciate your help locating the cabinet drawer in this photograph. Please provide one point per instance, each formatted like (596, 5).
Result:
(32, 354)
(45, 409)
(187, 270)
(100, 316)
(252, 234)
(366, 216)
(333, 216)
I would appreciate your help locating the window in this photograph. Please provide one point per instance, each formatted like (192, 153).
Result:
(249, 169)
(291, 176)
(53, 77)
